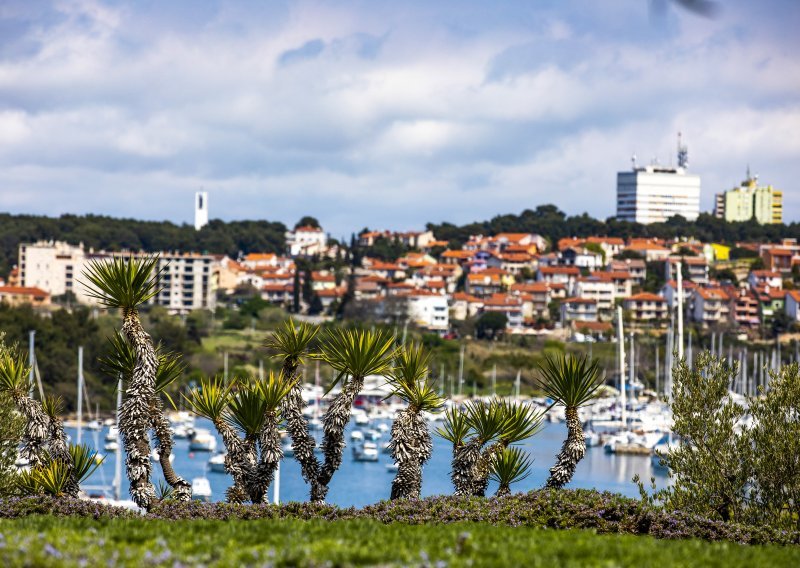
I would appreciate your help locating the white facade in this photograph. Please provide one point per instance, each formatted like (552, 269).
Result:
(200, 210)
(306, 241)
(653, 194)
(54, 267)
(187, 282)
(429, 311)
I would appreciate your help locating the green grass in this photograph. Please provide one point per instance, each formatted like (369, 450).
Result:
(50, 541)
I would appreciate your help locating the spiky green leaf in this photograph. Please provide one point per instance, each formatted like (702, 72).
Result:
(122, 282)
(569, 380)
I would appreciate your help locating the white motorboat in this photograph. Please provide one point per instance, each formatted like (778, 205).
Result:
(181, 431)
(357, 435)
(154, 456)
(112, 446)
(216, 463)
(113, 434)
(203, 441)
(592, 438)
(361, 419)
(94, 425)
(383, 427)
(366, 452)
(392, 467)
(372, 435)
(201, 489)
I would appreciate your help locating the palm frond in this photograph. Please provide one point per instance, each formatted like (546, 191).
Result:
(520, 422)
(14, 372)
(120, 358)
(569, 380)
(53, 477)
(122, 282)
(53, 406)
(84, 461)
(170, 368)
(410, 364)
(291, 341)
(486, 419)
(421, 395)
(27, 482)
(210, 399)
(164, 491)
(357, 352)
(246, 409)
(456, 428)
(274, 389)
(509, 466)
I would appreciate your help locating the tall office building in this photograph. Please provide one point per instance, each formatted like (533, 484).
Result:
(654, 193)
(200, 210)
(748, 201)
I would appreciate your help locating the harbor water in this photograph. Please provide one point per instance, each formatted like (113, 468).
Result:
(359, 483)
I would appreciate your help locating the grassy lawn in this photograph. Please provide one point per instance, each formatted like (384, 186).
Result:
(50, 541)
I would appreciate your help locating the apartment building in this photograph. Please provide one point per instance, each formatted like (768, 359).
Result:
(428, 311)
(645, 308)
(710, 306)
(55, 267)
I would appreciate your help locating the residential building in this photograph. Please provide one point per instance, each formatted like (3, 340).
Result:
(578, 310)
(18, 295)
(761, 278)
(635, 266)
(510, 306)
(465, 306)
(645, 308)
(306, 241)
(581, 258)
(53, 266)
(428, 311)
(792, 305)
(187, 282)
(539, 294)
(602, 291)
(750, 201)
(710, 306)
(558, 275)
(653, 194)
(744, 306)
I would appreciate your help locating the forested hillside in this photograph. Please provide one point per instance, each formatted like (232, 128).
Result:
(550, 222)
(111, 233)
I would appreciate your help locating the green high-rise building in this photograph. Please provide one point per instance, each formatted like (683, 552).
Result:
(764, 203)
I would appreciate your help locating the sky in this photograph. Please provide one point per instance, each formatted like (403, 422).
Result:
(386, 115)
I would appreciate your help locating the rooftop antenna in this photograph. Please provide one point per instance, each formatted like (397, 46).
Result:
(683, 154)
(633, 161)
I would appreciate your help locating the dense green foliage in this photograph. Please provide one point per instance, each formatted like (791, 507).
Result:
(10, 434)
(101, 232)
(553, 224)
(728, 469)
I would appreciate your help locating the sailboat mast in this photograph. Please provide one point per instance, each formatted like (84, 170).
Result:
(80, 394)
(680, 311)
(621, 344)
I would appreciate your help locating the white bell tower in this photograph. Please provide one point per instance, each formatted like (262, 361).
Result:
(200, 210)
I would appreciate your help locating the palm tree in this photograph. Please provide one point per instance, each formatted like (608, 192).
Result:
(571, 381)
(57, 446)
(507, 467)
(484, 421)
(127, 284)
(291, 343)
(14, 381)
(411, 444)
(353, 354)
(273, 392)
(519, 422)
(121, 361)
(210, 400)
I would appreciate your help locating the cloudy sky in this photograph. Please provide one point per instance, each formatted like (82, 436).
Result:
(386, 114)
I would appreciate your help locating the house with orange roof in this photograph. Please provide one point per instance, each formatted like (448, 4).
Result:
(635, 266)
(323, 280)
(501, 241)
(456, 256)
(569, 242)
(612, 246)
(710, 306)
(484, 284)
(281, 294)
(510, 306)
(464, 306)
(558, 275)
(256, 260)
(780, 257)
(537, 294)
(669, 291)
(744, 306)
(368, 238)
(416, 260)
(327, 296)
(602, 291)
(695, 268)
(20, 295)
(771, 301)
(512, 262)
(792, 305)
(306, 241)
(578, 310)
(761, 278)
(428, 310)
(581, 257)
(646, 308)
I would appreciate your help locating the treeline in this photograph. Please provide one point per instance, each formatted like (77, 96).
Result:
(101, 232)
(554, 224)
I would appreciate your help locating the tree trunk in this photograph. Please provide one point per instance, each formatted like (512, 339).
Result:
(303, 442)
(465, 457)
(134, 414)
(271, 455)
(482, 469)
(335, 421)
(239, 462)
(59, 450)
(411, 447)
(502, 491)
(181, 489)
(37, 426)
(571, 452)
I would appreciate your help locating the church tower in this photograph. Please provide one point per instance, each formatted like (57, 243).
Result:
(200, 210)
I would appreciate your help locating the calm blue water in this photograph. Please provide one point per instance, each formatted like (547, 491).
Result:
(362, 483)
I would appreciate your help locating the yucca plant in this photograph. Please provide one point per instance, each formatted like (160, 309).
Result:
(480, 421)
(120, 361)
(291, 344)
(572, 382)
(84, 461)
(210, 400)
(53, 477)
(274, 391)
(353, 354)
(507, 467)
(14, 381)
(411, 444)
(27, 483)
(126, 284)
(519, 422)
(57, 445)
